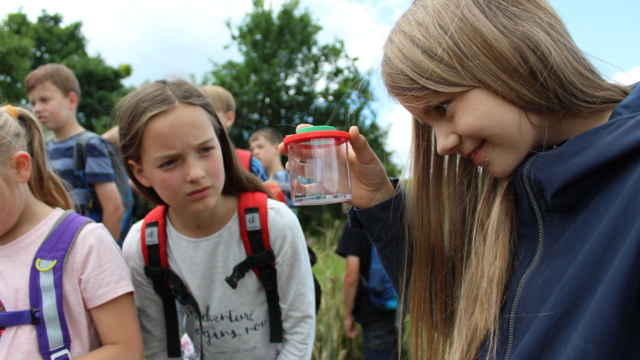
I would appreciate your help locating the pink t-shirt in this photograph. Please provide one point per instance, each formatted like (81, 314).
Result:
(94, 274)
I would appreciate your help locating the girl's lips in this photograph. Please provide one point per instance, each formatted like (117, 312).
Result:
(199, 193)
(476, 155)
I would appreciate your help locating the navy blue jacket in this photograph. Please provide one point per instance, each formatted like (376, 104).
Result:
(574, 292)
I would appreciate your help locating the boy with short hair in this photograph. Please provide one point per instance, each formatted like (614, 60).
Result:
(223, 102)
(54, 93)
(264, 146)
(225, 107)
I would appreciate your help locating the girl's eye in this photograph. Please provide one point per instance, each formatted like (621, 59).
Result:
(206, 149)
(166, 164)
(442, 108)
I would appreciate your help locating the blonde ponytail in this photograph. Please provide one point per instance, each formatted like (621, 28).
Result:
(19, 130)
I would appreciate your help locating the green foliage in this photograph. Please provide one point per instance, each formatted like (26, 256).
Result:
(287, 77)
(25, 45)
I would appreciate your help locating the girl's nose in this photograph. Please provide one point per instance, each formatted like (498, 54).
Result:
(447, 140)
(195, 170)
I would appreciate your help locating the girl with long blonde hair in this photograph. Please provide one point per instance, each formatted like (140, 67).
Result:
(516, 237)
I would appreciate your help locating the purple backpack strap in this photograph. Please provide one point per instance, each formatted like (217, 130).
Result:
(15, 318)
(45, 288)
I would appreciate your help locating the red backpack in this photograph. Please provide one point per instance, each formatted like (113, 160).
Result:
(244, 157)
(252, 215)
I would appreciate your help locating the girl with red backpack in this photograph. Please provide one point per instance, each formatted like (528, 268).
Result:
(190, 258)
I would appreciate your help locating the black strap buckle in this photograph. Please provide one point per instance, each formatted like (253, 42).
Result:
(262, 261)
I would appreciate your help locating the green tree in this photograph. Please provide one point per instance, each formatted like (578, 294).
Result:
(25, 45)
(286, 77)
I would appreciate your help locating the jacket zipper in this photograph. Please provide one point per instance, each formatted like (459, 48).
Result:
(530, 268)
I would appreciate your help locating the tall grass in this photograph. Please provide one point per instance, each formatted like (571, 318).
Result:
(331, 343)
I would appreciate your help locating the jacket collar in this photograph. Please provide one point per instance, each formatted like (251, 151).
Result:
(561, 177)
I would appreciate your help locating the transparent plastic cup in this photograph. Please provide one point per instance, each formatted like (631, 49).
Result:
(318, 166)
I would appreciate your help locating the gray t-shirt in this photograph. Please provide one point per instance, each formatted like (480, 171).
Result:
(235, 322)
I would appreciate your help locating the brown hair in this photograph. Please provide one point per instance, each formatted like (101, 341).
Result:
(20, 131)
(460, 216)
(269, 134)
(138, 108)
(220, 98)
(58, 74)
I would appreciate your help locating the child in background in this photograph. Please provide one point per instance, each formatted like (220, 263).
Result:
(264, 146)
(179, 155)
(54, 94)
(225, 106)
(98, 300)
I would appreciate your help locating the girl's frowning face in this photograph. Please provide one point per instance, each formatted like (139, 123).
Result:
(181, 159)
(479, 126)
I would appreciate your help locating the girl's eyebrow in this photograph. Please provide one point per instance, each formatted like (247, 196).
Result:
(170, 154)
(427, 102)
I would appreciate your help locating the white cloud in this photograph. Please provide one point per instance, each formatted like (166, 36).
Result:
(628, 77)
(159, 39)
(162, 39)
(177, 39)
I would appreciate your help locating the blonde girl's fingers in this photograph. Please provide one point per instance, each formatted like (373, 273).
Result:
(302, 126)
(364, 153)
(282, 149)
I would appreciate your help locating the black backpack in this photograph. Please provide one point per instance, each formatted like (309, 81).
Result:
(121, 177)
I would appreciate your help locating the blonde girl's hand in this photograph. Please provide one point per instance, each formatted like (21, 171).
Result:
(370, 184)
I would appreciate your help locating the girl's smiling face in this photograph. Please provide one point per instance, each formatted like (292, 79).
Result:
(181, 160)
(479, 126)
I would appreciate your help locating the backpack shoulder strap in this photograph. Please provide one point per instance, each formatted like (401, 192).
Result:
(254, 225)
(254, 231)
(244, 156)
(45, 287)
(153, 238)
(153, 244)
(79, 153)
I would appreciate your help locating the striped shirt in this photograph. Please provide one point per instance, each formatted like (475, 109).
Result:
(98, 169)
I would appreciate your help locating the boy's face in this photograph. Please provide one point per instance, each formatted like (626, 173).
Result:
(264, 150)
(53, 109)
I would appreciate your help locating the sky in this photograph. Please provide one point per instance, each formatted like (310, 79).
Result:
(178, 39)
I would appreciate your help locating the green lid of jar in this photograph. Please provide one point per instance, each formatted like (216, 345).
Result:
(316, 128)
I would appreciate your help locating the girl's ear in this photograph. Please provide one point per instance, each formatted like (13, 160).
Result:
(138, 172)
(20, 162)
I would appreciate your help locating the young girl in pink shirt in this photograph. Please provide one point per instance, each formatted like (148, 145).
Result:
(94, 314)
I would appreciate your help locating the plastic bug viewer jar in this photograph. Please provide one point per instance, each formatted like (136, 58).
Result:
(318, 166)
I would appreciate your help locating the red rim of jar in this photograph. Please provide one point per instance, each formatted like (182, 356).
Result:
(339, 136)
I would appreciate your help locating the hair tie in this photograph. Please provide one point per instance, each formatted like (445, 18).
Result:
(11, 110)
